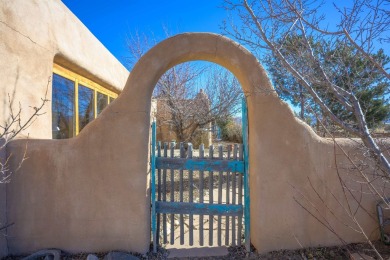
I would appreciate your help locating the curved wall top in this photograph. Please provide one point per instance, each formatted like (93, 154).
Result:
(189, 47)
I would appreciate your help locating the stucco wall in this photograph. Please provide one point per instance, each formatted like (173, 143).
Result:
(298, 167)
(90, 193)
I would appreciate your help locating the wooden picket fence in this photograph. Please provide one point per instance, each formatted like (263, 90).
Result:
(224, 173)
(216, 180)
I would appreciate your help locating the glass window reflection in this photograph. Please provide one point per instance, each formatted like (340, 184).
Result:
(102, 101)
(86, 106)
(63, 120)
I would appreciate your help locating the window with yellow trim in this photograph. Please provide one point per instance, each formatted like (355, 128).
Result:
(76, 101)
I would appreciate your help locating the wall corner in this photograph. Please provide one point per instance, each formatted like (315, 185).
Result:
(3, 203)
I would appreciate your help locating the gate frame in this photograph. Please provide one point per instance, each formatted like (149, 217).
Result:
(245, 143)
(153, 187)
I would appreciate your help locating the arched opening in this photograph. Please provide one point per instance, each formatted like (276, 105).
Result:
(191, 47)
(197, 153)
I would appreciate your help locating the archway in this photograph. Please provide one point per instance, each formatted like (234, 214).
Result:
(191, 47)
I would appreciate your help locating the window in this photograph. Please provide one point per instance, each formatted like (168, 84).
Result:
(76, 101)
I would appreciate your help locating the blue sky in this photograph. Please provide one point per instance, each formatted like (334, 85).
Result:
(112, 21)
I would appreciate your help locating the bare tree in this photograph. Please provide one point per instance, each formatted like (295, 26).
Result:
(188, 110)
(191, 97)
(12, 127)
(266, 25)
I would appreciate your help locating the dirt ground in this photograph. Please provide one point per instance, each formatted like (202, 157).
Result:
(319, 253)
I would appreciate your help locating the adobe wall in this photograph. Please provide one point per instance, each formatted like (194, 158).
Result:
(293, 166)
(91, 192)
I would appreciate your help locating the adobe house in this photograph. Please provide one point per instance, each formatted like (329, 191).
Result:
(91, 192)
(162, 113)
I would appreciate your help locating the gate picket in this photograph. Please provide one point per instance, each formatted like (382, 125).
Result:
(172, 154)
(227, 197)
(182, 155)
(234, 175)
(191, 199)
(211, 154)
(164, 195)
(219, 232)
(158, 189)
(201, 195)
(239, 199)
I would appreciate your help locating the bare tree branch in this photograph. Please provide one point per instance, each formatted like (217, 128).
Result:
(15, 126)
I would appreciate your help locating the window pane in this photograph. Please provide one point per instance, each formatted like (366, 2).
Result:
(86, 106)
(63, 120)
(111, 99)
(102, 101)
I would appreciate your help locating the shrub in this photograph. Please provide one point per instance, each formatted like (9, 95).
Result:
(231, 131)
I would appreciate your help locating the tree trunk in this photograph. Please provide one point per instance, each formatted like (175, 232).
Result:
(302, 103)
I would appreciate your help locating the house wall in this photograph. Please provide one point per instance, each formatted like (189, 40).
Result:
(34, 34)
(91, 192)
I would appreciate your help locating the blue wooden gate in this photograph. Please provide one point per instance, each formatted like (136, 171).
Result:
(173, 201)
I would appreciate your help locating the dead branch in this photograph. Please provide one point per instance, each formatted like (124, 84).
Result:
(15, 126)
